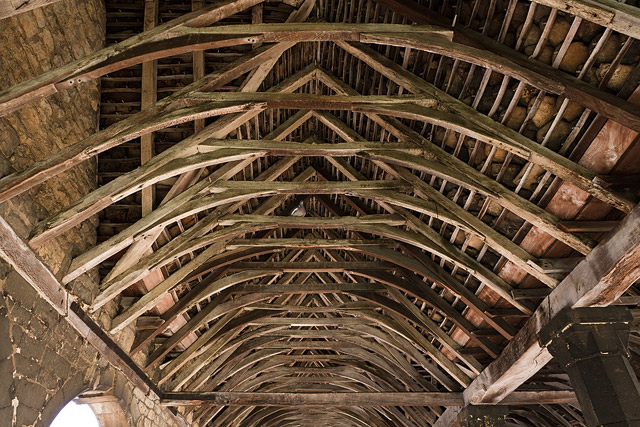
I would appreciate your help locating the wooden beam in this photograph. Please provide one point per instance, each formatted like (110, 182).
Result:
(183, 35)
(114, 284)
(310, 288)
(350, 399)
(311, 101)
(599, 280)
(220, 129)
(320, 267)
(345, 244)
(199, 64)
(76, 72)
(446, 166)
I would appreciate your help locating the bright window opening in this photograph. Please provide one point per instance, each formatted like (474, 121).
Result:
(74, 415)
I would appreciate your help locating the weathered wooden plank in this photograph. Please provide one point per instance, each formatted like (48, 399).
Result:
(320, 267)
(449, 167)
(213, 340)
(291, 148)
(309, 288)
(352, 399)
(435, 273)
(159, 168)
(305, 187)
(501, 244)
(175, 38)
(311, 101)
(149, 120)
(314, 222)
(620, 17)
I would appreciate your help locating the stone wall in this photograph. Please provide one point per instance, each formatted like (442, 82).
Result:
(44, 363)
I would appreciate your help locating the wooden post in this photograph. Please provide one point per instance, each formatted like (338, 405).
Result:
(149, 97)
(591, 343)
(256, 18)
(198, 66)
(483, 416)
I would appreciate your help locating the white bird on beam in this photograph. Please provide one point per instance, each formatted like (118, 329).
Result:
(299, 210)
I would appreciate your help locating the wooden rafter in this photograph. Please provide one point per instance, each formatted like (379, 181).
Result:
(546, 77)
(368, 296)
(597, 281)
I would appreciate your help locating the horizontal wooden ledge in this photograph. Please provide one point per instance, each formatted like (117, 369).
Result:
(339, 29)
(324, 267)
(313, 222)
(306, 187)
(309, 288)
(344, 244)
(355, 399)
(291, 148)
(311, 101)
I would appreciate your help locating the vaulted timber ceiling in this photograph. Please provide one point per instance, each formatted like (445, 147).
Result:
(446, 179)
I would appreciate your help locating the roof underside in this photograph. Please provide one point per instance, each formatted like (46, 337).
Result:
(349, 208)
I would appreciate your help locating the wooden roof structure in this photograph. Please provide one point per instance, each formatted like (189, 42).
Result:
(466, 170)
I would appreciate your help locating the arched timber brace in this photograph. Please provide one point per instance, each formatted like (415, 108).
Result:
(345, 213)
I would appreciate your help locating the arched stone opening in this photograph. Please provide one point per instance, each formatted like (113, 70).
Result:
(76, 414)
(91, 409)
(106, 408)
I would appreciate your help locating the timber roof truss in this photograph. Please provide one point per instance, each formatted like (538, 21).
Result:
(417, 261)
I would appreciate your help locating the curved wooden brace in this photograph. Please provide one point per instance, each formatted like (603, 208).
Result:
(205, 341)
(134, 50)
(408, 333)
(546, 158)
(267, 416)
(265, 223)
(353, 377)
(432, 162)
(128, 128)
(252, 366)
(239, 413)
(96, 201)
(432, 244)
(210, 313)
(217, 239)
(397, 342)
(506, 139)
(387, 324)
(95, 256)
(174, 38)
